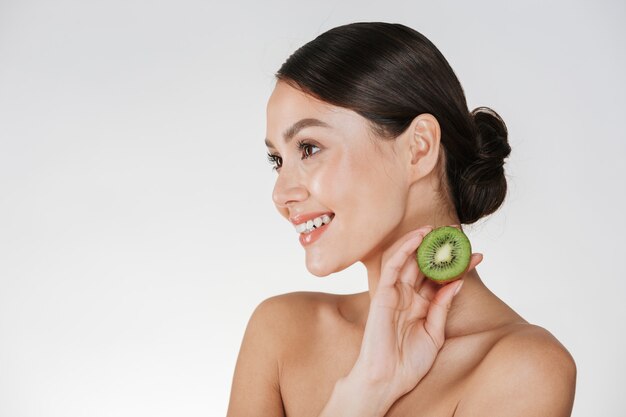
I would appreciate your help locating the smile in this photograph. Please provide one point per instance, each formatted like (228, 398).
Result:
(309, 226)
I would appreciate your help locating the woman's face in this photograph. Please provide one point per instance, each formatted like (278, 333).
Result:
(339, 168)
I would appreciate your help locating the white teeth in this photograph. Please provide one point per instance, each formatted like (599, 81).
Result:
(309, 226)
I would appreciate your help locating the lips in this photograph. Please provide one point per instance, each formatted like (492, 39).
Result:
(316, 223)
(310, 237)
(301, 218)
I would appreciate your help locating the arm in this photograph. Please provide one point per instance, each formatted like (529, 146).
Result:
(527, 374)
(355, 396)
(404, 332)
(255, 389)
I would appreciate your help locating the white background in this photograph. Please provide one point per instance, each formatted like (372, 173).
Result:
(137, 230)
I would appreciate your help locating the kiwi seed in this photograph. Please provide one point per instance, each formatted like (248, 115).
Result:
(444, 254)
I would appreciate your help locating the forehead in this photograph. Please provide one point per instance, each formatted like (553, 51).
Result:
(287, 100)
(288, 105)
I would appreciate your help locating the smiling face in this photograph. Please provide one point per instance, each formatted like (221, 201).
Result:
(336, 166)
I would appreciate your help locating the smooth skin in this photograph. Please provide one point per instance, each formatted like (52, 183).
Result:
(406, 322)
(407, 346)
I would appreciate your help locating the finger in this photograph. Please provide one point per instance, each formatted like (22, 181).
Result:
(394, 248)
(474, 261)
(408, 273)
(438, 312)
(404, 284)
(429, 289)
(419, 279)
(392, 267)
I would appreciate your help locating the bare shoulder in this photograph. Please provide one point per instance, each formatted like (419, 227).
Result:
(305, 302)
(534, 349)
(282, 314)
(271, 329)
(527, 372)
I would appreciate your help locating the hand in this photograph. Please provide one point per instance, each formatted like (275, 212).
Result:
(406, 321)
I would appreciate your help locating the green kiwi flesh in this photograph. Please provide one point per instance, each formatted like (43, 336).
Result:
(444, 254)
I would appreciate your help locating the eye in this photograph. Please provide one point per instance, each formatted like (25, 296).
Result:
(305, 146)
(275, 160)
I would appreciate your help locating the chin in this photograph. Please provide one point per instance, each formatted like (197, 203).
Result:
(322, 268)
(319, 270)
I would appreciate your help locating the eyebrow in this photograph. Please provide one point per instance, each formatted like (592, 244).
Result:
(298, 126)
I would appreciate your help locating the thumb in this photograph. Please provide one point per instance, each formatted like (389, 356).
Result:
(438, 311)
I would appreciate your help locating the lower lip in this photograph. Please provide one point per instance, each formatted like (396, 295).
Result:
(308, 238)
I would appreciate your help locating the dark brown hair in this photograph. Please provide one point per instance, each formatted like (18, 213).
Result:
(389, 74)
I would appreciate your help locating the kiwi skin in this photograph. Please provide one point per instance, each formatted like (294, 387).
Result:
(466, 259)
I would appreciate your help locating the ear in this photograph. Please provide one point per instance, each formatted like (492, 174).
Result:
(424, 140)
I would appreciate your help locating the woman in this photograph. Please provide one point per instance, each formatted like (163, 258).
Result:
(369, 132)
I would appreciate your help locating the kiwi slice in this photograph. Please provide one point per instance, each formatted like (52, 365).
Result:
(444, 254)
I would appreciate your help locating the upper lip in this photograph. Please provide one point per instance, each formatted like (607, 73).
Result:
(301, 218)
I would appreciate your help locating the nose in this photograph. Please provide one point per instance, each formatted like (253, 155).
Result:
(288, 190)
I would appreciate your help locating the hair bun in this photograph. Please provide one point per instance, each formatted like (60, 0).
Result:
(493, 146)
(483, 182)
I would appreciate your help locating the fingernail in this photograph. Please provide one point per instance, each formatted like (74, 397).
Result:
(458, 288)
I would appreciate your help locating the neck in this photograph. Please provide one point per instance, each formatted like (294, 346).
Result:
(471, 311)
(457, 322)
(374, 262)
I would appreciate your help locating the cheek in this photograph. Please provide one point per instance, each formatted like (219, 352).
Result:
(366, 195)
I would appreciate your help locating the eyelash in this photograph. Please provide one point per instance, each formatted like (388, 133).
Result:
(301, 145)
